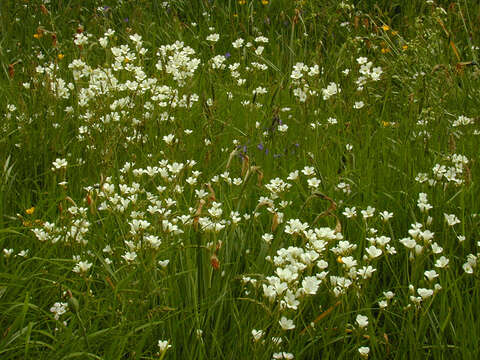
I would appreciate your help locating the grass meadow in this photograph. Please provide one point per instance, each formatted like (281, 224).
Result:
(239, 179)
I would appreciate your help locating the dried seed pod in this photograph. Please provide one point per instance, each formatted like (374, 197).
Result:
(245, 164)
(11, 70)
(44, 9)
(275, 222)
(211, 197)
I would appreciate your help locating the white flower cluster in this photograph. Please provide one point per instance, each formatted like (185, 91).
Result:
(218, 61)
(300, 271)
(277, 186)
(451, 171)
(58, 86)
(462, 120)
(471, 264)
(423, 294)
(367, 72)
(58, 309)
(151, 216)
(75, 231)
(420, 240)
(81, 267)
(163, 345)
(300, 69)
(330, 90)
(177, 60)
(111, 94)
(302, 89)
(81, 39)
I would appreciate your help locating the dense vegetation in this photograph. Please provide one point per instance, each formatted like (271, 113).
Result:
(248, 179)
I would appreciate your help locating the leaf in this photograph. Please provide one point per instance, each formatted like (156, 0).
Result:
(81, 355)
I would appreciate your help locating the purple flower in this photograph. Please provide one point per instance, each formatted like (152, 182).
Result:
(260, 146)
(227, 55)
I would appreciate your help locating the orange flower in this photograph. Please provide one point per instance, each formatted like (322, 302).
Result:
(385, 27)
(30, 211)
(215, 262)
(39, 33)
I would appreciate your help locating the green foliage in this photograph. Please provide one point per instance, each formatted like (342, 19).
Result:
(148, 189)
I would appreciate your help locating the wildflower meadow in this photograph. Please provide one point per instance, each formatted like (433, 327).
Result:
(239, 179)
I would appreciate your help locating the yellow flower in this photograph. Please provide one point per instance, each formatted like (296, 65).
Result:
(385, 50)
(37, 36)
(242, 2)
(394, 32)
(30, 211)
(265, 2)
(386, 27)
(60, 56)
(340, 260)
(404, 47)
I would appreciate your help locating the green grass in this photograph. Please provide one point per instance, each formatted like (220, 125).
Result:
(72, 236)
